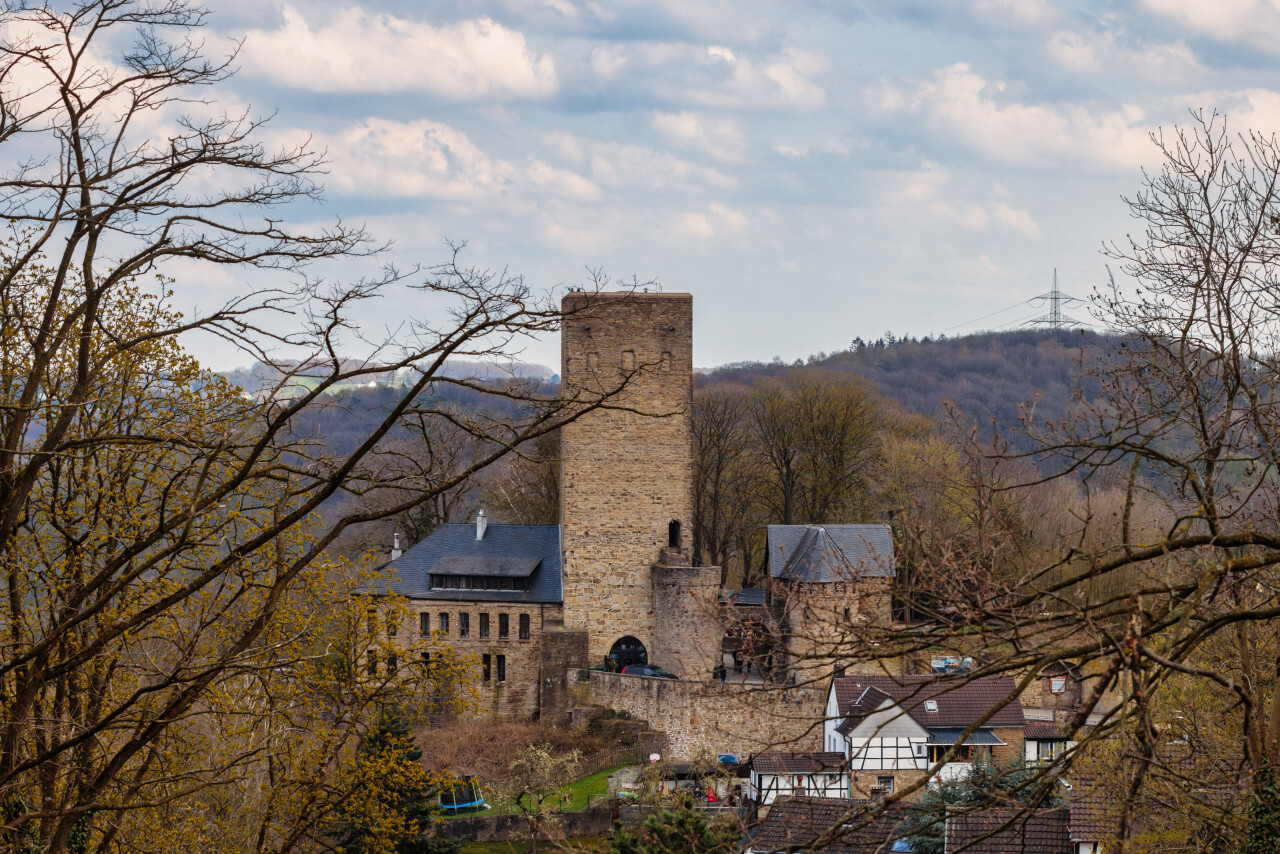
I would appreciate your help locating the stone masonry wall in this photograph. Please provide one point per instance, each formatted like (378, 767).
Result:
(827, 622)
(517, 694)
(625, 475)
(727, 718)
(687, 630)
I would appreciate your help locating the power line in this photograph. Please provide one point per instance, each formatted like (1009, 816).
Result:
(1055, 298)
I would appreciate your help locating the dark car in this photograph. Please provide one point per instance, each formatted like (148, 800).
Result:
(648, 670)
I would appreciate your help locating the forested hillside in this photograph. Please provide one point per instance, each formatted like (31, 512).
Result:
(988, 375)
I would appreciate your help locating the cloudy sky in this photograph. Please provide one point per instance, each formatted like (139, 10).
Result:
(811, 170)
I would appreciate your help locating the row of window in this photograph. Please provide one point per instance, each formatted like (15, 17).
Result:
(477, 582)
(464, 625)
(486, 664)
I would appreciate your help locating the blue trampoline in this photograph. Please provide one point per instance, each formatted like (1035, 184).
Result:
(462, 795)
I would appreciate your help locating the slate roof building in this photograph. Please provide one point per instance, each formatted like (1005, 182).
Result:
(611, 583)
(826, 581)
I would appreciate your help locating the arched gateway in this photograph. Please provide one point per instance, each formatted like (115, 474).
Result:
(627, 650)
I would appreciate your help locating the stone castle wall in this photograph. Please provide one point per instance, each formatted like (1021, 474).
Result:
(687, 631)
(725, 718)
(625, 475)
(829, 623)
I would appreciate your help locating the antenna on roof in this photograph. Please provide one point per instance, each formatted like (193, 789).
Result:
(482, 522)
(395, 546)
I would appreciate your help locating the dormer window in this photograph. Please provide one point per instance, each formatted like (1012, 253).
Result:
(931, 705)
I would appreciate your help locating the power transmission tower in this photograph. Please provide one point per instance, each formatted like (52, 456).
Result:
(1055, 319)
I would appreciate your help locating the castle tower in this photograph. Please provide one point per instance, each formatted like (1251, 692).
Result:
(626, 477)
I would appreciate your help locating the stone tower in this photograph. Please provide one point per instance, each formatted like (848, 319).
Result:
(626, 476)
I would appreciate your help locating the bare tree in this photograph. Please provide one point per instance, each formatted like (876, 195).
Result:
(165, 577)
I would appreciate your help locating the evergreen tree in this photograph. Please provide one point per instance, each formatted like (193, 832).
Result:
(985, 785)
(394, 809)
(680, 830)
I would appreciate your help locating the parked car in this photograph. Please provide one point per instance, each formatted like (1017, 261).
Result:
(648, 670)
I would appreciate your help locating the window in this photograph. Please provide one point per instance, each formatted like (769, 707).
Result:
(1058, 685)
(484, 625)
(485, 661)
(673, 534)
(391, 626)
(464, 625)
(885, 784)
(371, 662)
(502, 668)
(426, 659)
(392, 663)
(504, 626)
(524, 627)
(962, 754)
(444, 622)
(424, 624)
(931, 705)
(920, 749)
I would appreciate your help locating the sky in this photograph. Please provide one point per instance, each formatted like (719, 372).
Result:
(811, 170)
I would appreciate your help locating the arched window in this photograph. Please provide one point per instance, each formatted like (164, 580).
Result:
(673, 534)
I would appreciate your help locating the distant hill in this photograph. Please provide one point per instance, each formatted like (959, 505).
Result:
(987, 375)
(260, 378)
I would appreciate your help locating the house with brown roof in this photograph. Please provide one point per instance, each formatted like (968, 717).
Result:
(1009, 832)
(772, 775)
(896, 729)
(829, 825)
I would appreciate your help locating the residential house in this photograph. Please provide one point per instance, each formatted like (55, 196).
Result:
(996, 831)
(823, 775)
(895, 729)
(1046, 741)
(836, 825)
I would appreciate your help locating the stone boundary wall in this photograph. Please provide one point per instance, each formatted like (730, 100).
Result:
(727, 718)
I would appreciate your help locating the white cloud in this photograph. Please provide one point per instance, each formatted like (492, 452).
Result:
(717, 78)
(904, 194)
(359, 51)
(1102, 52)
(963, 106)
(718, 136)
(1019, 220)
(1253, 22)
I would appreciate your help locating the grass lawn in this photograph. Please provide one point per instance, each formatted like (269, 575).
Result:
(592, 844)
(574, 795)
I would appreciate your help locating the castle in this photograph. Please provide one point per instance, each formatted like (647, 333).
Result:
(613, 583)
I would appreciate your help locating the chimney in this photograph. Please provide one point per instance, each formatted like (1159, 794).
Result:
(396, 551)
(482, 522)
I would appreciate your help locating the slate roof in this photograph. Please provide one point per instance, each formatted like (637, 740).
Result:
(961, 700)
(942, 736)
(505, 550)
(745, 596)
(798, 763)
(794, 823)
(1009, 832)
(822, 553)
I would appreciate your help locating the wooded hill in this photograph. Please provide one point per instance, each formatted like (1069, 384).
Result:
(988, 375)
